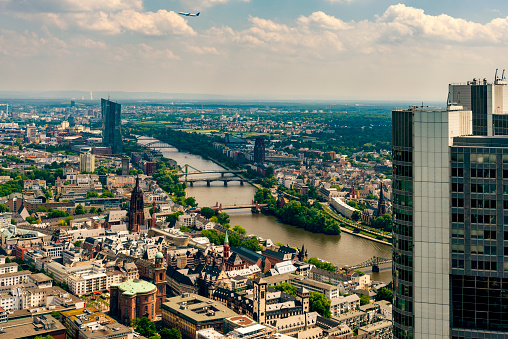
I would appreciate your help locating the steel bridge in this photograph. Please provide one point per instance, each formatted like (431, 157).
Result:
(374, 262)
(255, 207)
(157, 144)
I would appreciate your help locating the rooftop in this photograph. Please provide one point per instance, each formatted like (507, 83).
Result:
(136, 286)
(197, 309)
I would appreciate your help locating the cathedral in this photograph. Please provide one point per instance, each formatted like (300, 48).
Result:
(137, 210)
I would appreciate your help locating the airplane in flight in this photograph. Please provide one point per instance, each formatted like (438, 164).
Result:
(188, 14)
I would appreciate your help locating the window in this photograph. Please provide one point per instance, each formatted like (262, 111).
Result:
(490, 235)
(457, 248)
(456, 187)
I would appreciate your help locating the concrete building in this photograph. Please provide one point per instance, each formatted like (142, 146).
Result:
(40, 325)
(344, 304)
(421, 228)
(191, 313)
(87, 162)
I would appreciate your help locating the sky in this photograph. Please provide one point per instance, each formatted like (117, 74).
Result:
(263, 49)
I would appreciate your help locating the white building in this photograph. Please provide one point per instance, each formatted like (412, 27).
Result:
(344, 304)
(87, 162)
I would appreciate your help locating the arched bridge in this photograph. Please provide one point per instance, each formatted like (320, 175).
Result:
(374, 262)
(158, 144)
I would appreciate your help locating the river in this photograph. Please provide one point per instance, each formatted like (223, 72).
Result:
(344, 249)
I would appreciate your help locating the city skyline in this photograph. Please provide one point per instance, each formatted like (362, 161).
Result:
(328, 49)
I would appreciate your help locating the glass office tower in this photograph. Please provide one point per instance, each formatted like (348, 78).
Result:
(112, 125)
(421, 224)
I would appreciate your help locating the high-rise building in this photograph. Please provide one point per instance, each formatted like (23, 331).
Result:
(87, 162)
(259, 150)
(421, 222)
(486, 101)
(450, 268)
(112, 125)
(125, 165)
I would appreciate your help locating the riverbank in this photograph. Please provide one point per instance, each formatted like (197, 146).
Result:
(341, 250)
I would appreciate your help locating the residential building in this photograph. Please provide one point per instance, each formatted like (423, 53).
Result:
(344, 304)
(381, 330)
(87, 162)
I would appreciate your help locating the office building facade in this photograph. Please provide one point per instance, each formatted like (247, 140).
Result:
(112, 125)
(421, 223)
(488, 103)
(259, 150)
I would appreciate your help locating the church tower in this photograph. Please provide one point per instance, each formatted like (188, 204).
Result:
(260, 289)
(160, 282)
(226, 247)
(136, 209)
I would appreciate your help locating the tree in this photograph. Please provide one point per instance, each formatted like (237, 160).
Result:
(252, 244)
(79, 210)
(352, 203)
(8, 260)
(364, 300)
(68, 220)
(170, 333)
(319, 304)
(223, 218)
(61, 222)
(44, 337)
(383, 222)
(55, 314)
(185, 229)
(57, 214)
(384, 294)
(92, 210)
(356, 216)
(4, 209)
(106, 194)
(190, 201)
(92, 195)
(325, 265)
(41, 209)
(240, 230)
(144, 326)
(207, 212)
(78, 243)
(286, 287)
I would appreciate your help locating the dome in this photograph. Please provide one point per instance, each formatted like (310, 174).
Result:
(159, 255)
(136, 286)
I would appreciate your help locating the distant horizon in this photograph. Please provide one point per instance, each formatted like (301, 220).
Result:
(76, 95)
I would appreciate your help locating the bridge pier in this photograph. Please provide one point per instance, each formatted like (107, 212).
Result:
(241, 182)
(225, 183)
(222, 175)
(208, 183)
(191, 183)
(375, 269)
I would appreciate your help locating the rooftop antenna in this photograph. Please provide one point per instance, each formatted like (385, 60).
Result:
(495, 76)
(502, 76)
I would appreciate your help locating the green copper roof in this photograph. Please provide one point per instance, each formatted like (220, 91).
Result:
(226, 240)
(136, 286)
(159, 255)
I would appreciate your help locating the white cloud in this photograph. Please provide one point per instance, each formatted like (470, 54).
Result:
(147, 52)
(30, 44)
(322, 20)
(58, 6)
(203, 4)
(146, 23)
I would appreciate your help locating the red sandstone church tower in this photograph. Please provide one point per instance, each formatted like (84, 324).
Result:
(136, 209)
